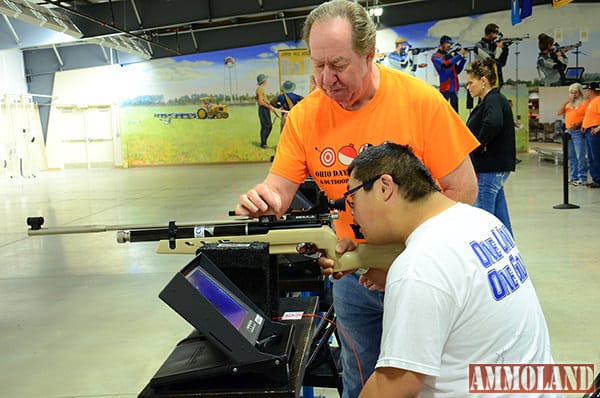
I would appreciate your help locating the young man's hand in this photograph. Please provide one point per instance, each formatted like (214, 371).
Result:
(327, 264)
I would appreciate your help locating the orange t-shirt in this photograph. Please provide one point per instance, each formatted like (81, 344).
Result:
(321, 138)
(574, 115)
(592, 113)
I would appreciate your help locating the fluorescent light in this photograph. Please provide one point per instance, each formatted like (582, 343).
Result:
(26, 11)
(376, 11)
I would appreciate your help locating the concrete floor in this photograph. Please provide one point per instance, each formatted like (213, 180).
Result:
(80, 316)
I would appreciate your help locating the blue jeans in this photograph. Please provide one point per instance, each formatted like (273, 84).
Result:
(359, 313)
(491, 195)
(593, 152)
(577, 156)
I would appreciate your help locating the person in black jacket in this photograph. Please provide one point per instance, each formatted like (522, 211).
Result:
(492, 123)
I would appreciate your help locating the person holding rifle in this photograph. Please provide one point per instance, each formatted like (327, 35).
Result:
(441, 310)
(358, 104)
(492, 46)
(551, 61)
(403, 57)
(448, 65)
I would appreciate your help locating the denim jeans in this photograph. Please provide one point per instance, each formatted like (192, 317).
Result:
(491, 195)
(577, 156)
(593, 152)
(359, 313)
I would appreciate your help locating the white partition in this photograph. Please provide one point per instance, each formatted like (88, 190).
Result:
(83, 129)
(551, 98)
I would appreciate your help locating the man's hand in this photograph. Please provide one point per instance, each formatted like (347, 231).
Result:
(272, 197)
(374, 279)
(327, 264)
(258, 201)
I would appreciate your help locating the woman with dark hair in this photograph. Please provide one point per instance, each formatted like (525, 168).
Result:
(492, 123)
(551, 62)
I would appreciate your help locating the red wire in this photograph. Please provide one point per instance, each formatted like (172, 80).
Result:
(360, 373)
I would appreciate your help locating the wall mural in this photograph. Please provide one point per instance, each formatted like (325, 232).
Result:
(201, 108)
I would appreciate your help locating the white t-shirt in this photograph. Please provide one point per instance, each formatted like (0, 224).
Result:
(460, 294)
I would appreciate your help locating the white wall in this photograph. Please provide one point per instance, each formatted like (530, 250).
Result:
(551, 99)
(84, 100)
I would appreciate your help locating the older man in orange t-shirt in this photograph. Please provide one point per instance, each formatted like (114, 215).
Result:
(591, 129)
(358, 104)
(574, 111)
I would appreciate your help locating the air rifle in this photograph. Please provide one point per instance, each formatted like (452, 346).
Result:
(419, 50)
(296, 232)
(569, 47)
(510, 40)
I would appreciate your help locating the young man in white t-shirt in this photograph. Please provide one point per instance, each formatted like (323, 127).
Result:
(459, 294)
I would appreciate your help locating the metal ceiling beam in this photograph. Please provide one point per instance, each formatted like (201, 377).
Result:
(12, 30)
(216, 24)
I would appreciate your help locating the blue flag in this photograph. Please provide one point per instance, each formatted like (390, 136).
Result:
(526, 8)
(515, 11)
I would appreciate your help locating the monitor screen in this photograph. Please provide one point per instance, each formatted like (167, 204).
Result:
(231, 310)
(574, 73)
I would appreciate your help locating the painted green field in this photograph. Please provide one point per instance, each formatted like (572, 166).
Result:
(150, 140)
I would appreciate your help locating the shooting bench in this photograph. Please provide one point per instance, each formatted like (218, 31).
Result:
(555, 155)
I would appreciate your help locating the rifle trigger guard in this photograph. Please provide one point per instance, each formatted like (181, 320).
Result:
(308, 249)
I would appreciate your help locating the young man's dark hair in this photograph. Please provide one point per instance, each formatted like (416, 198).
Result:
(491, 28)
(413, 178)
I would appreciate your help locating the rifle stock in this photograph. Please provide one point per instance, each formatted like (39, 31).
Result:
(285, 241)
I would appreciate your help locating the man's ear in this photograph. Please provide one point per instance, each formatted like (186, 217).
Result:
(370, 56)
(388, 187)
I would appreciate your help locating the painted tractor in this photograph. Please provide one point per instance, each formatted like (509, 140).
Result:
(211, 109)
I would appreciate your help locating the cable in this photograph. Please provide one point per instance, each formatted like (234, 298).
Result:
(360, 373)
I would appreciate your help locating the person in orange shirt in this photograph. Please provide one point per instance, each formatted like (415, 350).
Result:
(591, 129)
(359, 104)
(574, 111)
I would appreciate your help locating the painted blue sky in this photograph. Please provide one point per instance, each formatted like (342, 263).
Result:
(206, 72)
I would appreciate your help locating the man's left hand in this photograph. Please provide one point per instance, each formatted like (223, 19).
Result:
(374, 279)
(327, 264)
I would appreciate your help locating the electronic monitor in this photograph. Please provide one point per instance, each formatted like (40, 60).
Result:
(247, 322)
(217, 308)
(574, 74)
(233, 337)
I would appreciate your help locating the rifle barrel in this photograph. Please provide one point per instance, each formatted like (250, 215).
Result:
(81, 229)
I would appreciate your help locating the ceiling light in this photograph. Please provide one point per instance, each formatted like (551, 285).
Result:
(34, 14)
(376, 11)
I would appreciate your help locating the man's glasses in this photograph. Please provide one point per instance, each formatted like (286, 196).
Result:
(367, 184)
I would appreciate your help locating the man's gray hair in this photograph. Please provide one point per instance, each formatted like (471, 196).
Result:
(363, 28)
(581, 89)
(576, 87)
